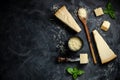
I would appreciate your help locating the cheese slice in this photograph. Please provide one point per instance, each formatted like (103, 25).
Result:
(105, 53)
(64, 15)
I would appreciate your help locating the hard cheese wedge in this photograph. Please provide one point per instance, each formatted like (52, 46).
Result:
(64, 15)
(105, 53)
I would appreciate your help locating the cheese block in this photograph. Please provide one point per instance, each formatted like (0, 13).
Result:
(84, 58)
(98, 11)
(106, 54)
(64, 15)
(105, 25)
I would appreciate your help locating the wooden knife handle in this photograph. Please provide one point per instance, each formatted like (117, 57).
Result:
(61, 59)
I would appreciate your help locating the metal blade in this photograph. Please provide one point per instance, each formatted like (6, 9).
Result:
(73, 60)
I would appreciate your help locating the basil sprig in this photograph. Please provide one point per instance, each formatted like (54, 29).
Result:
(75, 72)
(110, 11)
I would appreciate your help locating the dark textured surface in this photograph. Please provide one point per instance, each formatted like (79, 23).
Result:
(30, 39)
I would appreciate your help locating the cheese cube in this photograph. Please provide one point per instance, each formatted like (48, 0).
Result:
(105, 25)
(84, 58)
(98, 11)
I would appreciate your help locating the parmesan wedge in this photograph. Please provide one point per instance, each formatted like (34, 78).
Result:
(105, 53)
(64, 15)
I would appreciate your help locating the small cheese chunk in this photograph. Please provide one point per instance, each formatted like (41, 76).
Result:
(105, 25)
(84, 58)
(98, 11)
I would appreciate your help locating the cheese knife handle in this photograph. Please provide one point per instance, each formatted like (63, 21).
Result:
(62, 59)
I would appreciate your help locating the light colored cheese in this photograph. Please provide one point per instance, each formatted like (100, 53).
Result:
(82, 13)
(105, 53)
(84, 58)
(74, 43)
(98, 11)
(105, 25)
(64, 15)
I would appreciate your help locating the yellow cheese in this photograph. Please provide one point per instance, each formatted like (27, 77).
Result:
(84, 58)
(75, 43)
(105, 53)
(105, 25)
(98, 11)
(64, 15)
(82, 13)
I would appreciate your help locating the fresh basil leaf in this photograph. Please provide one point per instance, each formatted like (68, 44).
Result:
(112, 15)
(80, 72)
(75, 72)
(70, 70)
(109, 6)
(75, 69)
(110, 11)
(75, 76)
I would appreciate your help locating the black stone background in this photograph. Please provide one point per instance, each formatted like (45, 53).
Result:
(31, 37)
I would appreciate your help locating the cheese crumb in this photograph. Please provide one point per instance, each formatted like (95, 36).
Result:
(84, 58)
(105, 25)
(74, 44)
(98, 11)
(82, 13)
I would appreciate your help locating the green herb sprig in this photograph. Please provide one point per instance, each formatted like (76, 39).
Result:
(75, 72)
(110, 11)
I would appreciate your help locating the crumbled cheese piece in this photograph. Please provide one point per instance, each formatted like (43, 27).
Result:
(74, 44)
(82, 13)
(105, 25)
(98, 11)
(84, 58)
